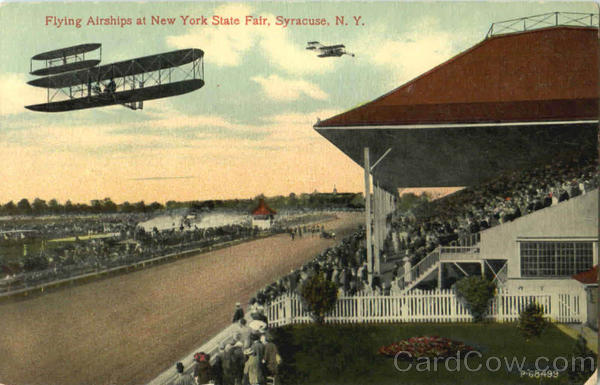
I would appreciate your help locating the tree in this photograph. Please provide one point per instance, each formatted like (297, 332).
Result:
(68, 207)
(53, 206)
(24, 207)
(96, 206)
(155, 206)
(139, 207)
(319, 296)
(108, 206)
(9, 208)
(531, 321)
(477, 292)
(125, 207)
(39, 206)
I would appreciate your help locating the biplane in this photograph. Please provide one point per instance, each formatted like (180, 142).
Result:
(74, 82)
(328, 50)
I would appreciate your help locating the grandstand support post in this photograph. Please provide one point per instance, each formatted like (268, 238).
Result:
(368, 240)
(439, 275)
(377, 227)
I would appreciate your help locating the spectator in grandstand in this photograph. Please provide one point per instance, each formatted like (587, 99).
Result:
(239, 313)
(183, 378)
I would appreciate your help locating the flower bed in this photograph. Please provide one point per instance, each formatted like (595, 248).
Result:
(426, 346)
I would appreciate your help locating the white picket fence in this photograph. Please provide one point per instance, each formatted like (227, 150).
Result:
(430, 306)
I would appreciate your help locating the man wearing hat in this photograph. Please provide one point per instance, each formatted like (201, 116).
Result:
(272, 358)
(252, 368)
(183, 378)
(239, 313)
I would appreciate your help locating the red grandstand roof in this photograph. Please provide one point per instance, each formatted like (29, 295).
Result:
(549, 74)
(589, 277)
(263, 209)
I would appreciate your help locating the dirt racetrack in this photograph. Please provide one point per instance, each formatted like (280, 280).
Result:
(127, 329)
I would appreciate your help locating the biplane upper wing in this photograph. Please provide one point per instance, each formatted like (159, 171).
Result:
(120, 69)
(314, 45)
(69, 51)
(73, 66)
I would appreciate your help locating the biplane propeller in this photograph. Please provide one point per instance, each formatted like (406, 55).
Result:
(75, 83)
(328, 50)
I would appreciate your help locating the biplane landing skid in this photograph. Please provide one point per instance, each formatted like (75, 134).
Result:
(122, 97)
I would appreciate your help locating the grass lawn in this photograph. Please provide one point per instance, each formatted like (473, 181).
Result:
(347, 354)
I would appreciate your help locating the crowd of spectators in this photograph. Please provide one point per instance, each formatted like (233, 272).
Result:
(453, 220)
(114, 240)
(59, 260)
(345, 264)
(67, 226)
(248, 358)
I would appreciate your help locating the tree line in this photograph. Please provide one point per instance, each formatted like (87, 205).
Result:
(107, 206)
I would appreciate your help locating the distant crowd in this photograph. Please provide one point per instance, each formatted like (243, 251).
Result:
(131, 244)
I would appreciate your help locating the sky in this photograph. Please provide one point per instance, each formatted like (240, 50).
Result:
(249, 130)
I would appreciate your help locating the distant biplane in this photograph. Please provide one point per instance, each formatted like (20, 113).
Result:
(74, 82)
(328, 50)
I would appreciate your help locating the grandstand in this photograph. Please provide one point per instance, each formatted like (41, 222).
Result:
(516, 118)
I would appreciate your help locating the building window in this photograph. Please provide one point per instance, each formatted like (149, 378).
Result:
(555, 259)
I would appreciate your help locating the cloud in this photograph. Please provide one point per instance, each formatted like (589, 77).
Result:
(412, 53)
(226, 46)
(162, 178)
(291, 57)
(278, 88)
(15, 94)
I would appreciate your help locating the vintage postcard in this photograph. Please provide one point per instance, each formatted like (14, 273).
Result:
(335, 192)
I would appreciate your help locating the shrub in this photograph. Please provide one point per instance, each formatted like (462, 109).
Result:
(319, 296)
(477, 293)
(531, 321)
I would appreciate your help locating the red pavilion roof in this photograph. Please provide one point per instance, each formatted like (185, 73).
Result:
(588, 277)
(547, 74)
(263, 209)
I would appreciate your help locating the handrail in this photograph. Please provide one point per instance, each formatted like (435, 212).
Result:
(545, 20)
(459, 249)
(422, 266)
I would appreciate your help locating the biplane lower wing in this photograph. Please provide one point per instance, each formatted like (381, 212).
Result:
(74, 66)
(121, 97)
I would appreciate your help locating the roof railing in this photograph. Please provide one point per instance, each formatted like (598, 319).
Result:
(552, 19)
